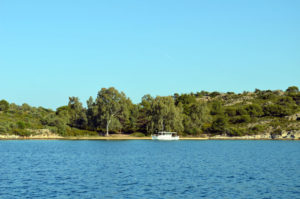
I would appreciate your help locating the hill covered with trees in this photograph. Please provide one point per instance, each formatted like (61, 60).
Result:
(194, 114)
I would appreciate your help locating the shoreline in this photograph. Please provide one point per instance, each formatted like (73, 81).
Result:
(132, 138)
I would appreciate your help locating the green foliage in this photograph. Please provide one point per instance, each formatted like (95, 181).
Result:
(216, 108)
(267, 95)
(188, 114)
(241, 111)
(276, 110)
(22, 132)
(257, 129)
(240, 119)
(76, 113)
(219, 125)
(230, 111)
(161, 114)
(235, 132)
(21, 125)
(198, 115)
(4, 105)
(254, 110)
(185, 100)
(296, 98)
(214, 94)
(112, 110)
(292, 90)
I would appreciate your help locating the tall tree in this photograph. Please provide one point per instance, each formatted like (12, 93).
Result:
(199, 114)
(111, 108)
(77, 113)
(161, 114)
(91, 114)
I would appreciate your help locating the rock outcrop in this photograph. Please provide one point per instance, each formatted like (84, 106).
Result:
(289, 135)
(294, 117)
(36, 134)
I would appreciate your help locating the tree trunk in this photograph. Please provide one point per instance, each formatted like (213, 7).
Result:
(107, 125)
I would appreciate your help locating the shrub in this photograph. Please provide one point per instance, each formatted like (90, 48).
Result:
(254, 110)
(21, 125)
(257, 129)
(240, 119)
(3, 129)
(214, 94)
(219, 125)
(4, 105)
(292, 89)
(22, 132)
(235, 132)
(216, 108)
(194, 131)
(230, 111)
(276, 110)
(241, 111)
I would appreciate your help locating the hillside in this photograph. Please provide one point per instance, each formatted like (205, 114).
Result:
(260, 114)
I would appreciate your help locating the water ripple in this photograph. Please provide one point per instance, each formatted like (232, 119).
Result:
(146, 169)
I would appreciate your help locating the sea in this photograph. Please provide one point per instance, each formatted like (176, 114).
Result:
(149, 169)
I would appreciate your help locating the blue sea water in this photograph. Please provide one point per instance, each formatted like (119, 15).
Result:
(149, 169)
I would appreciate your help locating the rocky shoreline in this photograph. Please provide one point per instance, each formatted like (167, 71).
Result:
(219, 137)
(45, 134)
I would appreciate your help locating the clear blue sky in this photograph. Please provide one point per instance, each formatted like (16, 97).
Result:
(53, 49)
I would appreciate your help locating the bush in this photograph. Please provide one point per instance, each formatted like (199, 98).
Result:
(240, 119)
(21, 125)
(216, 108)
(254, 110)
(4, 105)
(230, 111)
(194, 131)
(257, 129)
(219, 125)
(241, 111)
(276, 110)
(21, 132)
(214, 94)
(292, 89)
(3, 130)
(235, 132)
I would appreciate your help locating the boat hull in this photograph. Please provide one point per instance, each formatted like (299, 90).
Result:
(165, 137)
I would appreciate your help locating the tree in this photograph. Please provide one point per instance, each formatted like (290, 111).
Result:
(63, 112)
(214, 94)
(219, 125)
(199, 114)
(185, 100)
(161, 114)
(276, 110)
(217, 108)
(254, 110)
(145, 113)
(91, 114)
(4, 105)
(292, 89)
(111, 108)
(77, 113)
(131, 124)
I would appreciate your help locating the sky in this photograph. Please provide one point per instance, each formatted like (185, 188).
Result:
(53, 49)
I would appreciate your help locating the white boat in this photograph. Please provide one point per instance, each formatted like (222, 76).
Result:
(165, 136)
